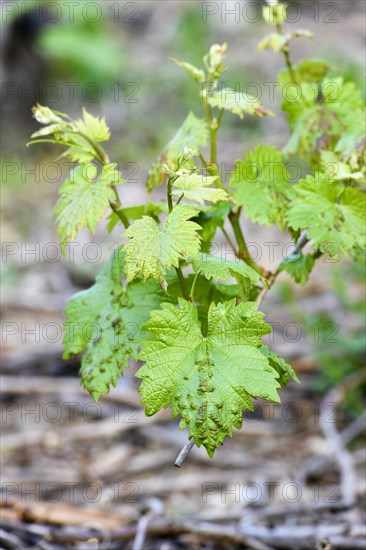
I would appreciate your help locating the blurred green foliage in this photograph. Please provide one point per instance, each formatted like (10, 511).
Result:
(338, 349)
(82, 50)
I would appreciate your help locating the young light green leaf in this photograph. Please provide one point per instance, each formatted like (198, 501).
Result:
(238, 103)
(152, 252)
(192, 133)
(195, 187)
(223, 269)
(79, 150)
(206, 378)
(78, 136)
(83, 199)
(197, 74)
(94, 127)
(214, 60)
(262, 185)
(332, 214)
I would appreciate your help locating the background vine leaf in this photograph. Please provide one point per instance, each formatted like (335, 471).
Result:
(262, 185)
(333, 215)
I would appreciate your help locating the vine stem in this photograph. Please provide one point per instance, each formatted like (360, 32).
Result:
(229, 240)
(191, 294)
(178, 269)
(103, 158)
(117, 209)
(286, 53)
(184, 453)
(303, 240)
(243, 253)
(182, 283)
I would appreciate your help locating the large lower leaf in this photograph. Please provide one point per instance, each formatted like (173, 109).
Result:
(104, 322)
(207, 378)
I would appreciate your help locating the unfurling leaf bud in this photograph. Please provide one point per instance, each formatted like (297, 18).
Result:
(45, 115)
(274, 13)
(214, 60)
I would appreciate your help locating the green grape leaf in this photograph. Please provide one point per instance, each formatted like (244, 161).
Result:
(299, 267)
(79, 150)
(94, 127)
(211, 218)
(352, 143)
(308, 70)
(318, 115)
(136, 212)
(273, 41)
(83, 199)
(205, 292)
(285, 371)
(206, 378)
(331, 164)
(238, 103)
(262, 185)
(332, 214)
(222, 269)
(50, 130)
(152, 252)
(195, 187)
(104, 322)
(75, 135)
(192, 133)
(94, 325)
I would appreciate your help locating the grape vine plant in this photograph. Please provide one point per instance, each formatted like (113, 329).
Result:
(199, 328)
